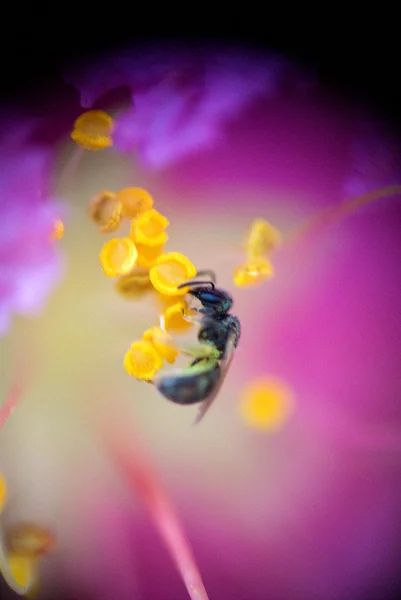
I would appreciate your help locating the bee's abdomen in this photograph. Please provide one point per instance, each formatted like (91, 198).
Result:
(235, 327)
(189, 389)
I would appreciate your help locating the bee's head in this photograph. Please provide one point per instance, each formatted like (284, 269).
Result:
(213, 300)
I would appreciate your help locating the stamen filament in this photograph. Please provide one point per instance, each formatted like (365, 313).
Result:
(143, 481)
(11, 402)
(334, 214)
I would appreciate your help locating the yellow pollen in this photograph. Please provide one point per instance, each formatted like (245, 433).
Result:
(261, 239)
(106, 211)
(148, 255)
(266, 404)
(163, 343)
(142, 360)
(3, 493)
(57, 231)
(148, 228)
(30, 540)
(134, 284)
(170, 271)
(253, 272)
(93, 130)
(118, 256)
(135, 200)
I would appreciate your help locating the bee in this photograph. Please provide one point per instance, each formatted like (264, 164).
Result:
(218, 336)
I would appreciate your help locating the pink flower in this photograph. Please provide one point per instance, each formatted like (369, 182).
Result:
(310, 511)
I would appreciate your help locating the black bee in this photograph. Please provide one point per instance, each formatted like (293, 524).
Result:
(219, 333)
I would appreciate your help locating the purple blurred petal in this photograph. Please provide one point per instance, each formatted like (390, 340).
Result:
(375, 159)
(29, 263)
(181, 100)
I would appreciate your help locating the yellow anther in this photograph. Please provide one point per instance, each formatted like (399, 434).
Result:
(3, 493)
(163, 343)
(106, 211)
(57, 231)
(261, 239)
(30, 540)
(148, 228)
(174, 317)
(118, 256)
(148, 255)
(142, 360)
(170, 271)
(253, 272)
(266, 404)
(134, 284)
(24, 570)
(135, 200)
(93, 130)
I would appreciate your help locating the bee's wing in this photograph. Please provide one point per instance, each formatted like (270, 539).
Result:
(224, 366)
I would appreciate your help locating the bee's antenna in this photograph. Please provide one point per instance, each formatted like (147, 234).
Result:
(195, 284)
(209, 272)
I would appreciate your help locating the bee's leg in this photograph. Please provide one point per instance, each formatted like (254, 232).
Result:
(192, 351)
(192, 319)
(199, 352)
(201, 359)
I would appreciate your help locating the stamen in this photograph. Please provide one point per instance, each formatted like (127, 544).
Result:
(261, 239)
(11, 402)
(135, 200)
(118, 256)
(93, 130)
(30, 540)
(253, 272)
(163, 343)
(142, 360)
(334, 214)
(170, 271)
(23, 574)
(3, 493)
(106, 211)
(119, 438)
(58, 230)
(148, 228)
(148, 255)
(174, 320)
(26, 544)
(266, 404)
(134, 284)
